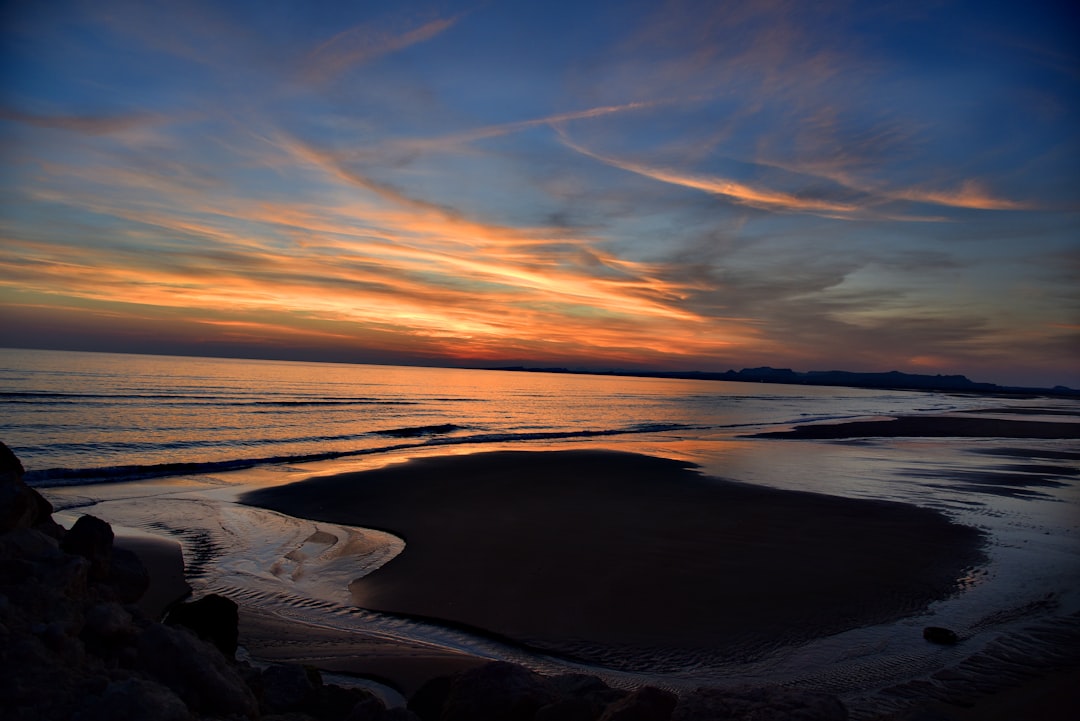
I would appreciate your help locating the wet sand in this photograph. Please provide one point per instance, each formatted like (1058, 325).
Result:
(629, 560)
(397, 663)
(933, 427)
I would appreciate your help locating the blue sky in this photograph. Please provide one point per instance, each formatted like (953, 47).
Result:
(682, 185)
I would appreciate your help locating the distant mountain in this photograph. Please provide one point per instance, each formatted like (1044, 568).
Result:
(894, 380)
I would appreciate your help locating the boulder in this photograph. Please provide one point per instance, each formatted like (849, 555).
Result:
(427, 701)
(213, 618)
(290, 687)
(369, 709)
(581, 685)
(91, 538)
(20, 505)
(399, 713)
(943, 636)
(569, 709)
(107, 629)
(195, 671)
(134, 699)
(128, 577)
(751, 704)
(644, 704)
(496, 691)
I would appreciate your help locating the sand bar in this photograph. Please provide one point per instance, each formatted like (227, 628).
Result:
(933, 427)
(620, 558)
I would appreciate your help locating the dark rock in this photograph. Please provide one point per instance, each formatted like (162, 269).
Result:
(290, 687)
(253, 678)
(751, 704)
(580, 685)
(20, 505)
(427, 701)
(644, 704)
(128, 577)
(29, 544)
(399, 714)
(39, 580)
(134, 699)
(195, 671)
(569, 709)
(496, 691)
(91, 538)
(336, 702)
(943, 636)
(368, 709)
(107, 629)
(213, 618)
(59, 638)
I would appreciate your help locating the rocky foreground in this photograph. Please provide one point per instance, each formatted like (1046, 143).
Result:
(74, 645)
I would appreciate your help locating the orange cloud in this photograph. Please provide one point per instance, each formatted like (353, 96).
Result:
(739, 192)
(970, 195)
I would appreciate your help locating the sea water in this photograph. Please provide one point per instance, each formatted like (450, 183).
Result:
(165, 444)
(85, 417)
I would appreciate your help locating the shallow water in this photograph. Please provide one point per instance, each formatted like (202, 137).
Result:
(76, 419)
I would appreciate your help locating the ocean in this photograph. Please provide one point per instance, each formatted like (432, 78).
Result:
(163, 445)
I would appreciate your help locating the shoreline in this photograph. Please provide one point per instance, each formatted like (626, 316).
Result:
(930, 426)
(573, 552)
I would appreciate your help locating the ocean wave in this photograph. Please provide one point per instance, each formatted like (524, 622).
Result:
(135, 472)
(417, 431)
(37, 397)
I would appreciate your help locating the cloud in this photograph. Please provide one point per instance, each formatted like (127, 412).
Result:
(741, 193)
(364, 43)
(85, 124)
(970, 195)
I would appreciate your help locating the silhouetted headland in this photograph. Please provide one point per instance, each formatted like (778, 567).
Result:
(893, 380)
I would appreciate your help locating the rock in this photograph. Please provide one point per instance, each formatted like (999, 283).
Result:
(580, 685)
(644, 704)
(569, 709)
(28, 544)
(91, 538)
(943, 636)
(213, 618)
(496, 691)
(128, 577)
(336, 702)
(427, 701)
(751, 704)
(20, 505)
(195, 671)
(368, 709)
(290, 687)
(399, 714)
(107, 629)
(134, 699)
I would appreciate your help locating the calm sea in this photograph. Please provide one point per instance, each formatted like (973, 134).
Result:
(160, 444)
(84, 417)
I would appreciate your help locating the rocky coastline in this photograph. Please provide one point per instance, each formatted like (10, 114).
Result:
(78, 641)
(74, 644)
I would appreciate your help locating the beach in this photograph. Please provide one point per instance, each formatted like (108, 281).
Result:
(632, 561)
(400, 524)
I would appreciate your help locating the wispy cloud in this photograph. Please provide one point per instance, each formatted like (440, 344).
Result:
(741, 193)
(970, 195)
(364, 43)
(699, 183)
(86, 124)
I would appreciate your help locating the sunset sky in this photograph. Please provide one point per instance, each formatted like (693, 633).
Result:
(669, 185)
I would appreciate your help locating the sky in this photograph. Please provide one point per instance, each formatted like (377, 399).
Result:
(678, 185)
